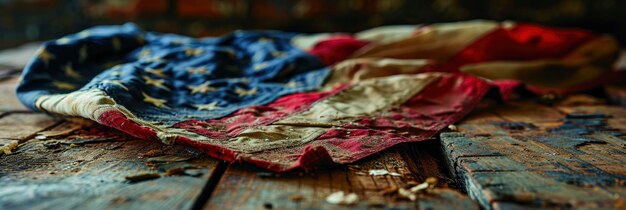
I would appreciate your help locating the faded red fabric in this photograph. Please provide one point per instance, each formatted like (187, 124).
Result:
(235, 123)
(522, 42)
(441, 103)
(336, 48)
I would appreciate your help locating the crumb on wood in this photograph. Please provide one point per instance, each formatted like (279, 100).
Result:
(406, 194)
(8, 148)
(342, 198)
(411, 190)
(296, 198)
(178, 171)
(152, 153)
(432, 181)
(142, 177)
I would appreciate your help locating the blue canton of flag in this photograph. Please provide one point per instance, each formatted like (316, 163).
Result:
(166, 77)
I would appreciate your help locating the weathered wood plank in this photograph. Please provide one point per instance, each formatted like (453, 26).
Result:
(8, 99)
(88, 170)
(527, 111)
(539, 156)
(425, 159)
(22, 126)
(245, 188)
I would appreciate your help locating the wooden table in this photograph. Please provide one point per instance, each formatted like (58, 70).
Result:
(514, 156)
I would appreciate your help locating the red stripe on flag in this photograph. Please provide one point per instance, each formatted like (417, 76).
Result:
(438, 105)
(519, 43)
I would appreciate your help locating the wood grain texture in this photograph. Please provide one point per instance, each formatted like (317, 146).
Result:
(537, 156)
(17, 124)
(8, 99)
(87, 170)
(22, 126)
(244, 188)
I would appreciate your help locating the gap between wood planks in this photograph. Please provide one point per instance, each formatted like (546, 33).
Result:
(210, 186)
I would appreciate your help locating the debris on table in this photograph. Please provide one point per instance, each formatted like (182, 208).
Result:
(178, 171)
(8, 148)
(342, 198)
(296, 198)
(194, 172)
(411, 191)
(360, 173)
(142, 177)
(407, 194)
(382, 172)
(430, 182)
(372, 172)
(152, 153)
(419, 187)
(549, 98)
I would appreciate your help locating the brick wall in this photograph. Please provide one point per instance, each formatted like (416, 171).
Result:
(27, 20)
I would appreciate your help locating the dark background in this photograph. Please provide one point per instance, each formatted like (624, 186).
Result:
(24, 21)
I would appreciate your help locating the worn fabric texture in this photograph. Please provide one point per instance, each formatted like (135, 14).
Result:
(285, 100)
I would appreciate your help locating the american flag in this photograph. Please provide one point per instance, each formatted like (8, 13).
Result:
(286, 100)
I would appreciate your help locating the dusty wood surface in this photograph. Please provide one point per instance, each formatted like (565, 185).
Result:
(245, 188)
(526, 155)
(88, 170)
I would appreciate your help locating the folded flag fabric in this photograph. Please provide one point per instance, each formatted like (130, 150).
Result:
(286, 100)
